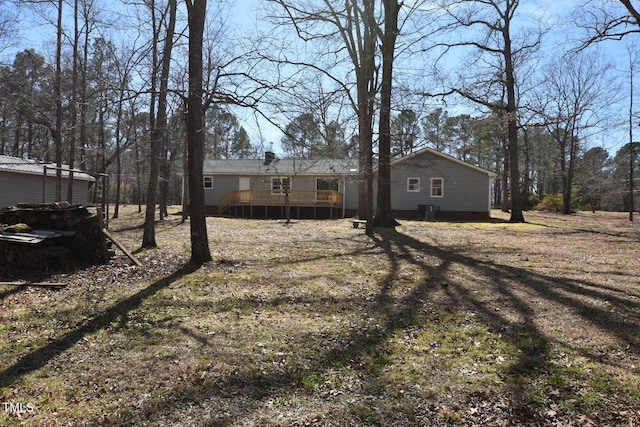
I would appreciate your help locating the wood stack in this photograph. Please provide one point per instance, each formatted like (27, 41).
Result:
(60, 234)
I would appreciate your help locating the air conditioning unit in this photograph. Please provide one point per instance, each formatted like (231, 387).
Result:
(427, 212)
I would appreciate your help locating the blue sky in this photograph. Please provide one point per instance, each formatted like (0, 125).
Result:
(245, 14)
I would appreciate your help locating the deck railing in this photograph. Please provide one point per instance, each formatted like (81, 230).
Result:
(306, 198)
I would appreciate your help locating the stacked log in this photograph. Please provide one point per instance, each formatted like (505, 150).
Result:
(78, 236)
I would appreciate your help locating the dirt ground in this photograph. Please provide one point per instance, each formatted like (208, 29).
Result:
(314, 323)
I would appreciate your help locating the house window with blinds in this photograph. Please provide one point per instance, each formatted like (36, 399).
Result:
(280, 185)
(413, 185)
(437, 187)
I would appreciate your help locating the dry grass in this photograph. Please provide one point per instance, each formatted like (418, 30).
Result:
(436, 323)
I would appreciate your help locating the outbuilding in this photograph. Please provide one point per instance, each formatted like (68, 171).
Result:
(23, 181)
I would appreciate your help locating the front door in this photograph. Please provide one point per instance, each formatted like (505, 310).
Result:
(244, 183)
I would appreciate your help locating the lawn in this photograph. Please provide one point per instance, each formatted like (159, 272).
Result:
(314, 323)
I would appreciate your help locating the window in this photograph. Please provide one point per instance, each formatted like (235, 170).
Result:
(437, 186)
(327, 184)
(413, 185)
(208, 182)
(280, 185)
(324, 185)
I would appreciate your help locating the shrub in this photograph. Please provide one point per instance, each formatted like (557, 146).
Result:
(551, 203)
(532, 201)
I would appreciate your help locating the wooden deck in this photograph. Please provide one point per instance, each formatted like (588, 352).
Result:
(267, 204)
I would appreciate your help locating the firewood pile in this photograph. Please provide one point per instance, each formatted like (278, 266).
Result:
(51, 236)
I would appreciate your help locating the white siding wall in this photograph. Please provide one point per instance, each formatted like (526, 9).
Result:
(25, 188)
(465, 189)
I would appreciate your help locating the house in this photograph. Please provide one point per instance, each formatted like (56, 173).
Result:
(22, 181)
(326, 188)
(425, 185)
(428, 184)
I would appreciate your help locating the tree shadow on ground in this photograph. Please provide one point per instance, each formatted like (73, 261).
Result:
(522, 330)
(394, 314)
(11, 291)
(38, 358)
(397, 314)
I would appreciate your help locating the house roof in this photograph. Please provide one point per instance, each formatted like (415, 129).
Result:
(34, 167)
(316, 167)
(443, 156)
(313, 166)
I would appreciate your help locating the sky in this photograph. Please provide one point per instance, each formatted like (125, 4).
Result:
(553, 13)
(244, 17)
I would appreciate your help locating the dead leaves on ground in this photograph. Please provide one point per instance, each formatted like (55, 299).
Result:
(314, 323)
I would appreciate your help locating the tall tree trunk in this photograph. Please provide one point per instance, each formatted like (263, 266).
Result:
(527, 170)
(367, 91)
(384, 214)
(57, 132)
(631, 151)
(102, 148)
(74, 102)
(149, 230)
(162, 122)
(564, 173)
(138, 174)
(118, 136)
(568, 193)
(512, 120)
(165, 187)
(185, 179)
(195, 133)
(506, 199)
(83, 100)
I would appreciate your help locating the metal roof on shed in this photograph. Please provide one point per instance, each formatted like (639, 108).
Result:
(34, 167)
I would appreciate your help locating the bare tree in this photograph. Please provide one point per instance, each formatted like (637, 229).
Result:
(319, 123)
(501, 52)
(388, 37)
(126, 59)
(200, 252)
(352, 26)
(602, 20)
(631, 118)
(605, 23)
(73, 114)
(8, 28)
(571, 100)
(57, 87)
(162, 121)
(158, 118)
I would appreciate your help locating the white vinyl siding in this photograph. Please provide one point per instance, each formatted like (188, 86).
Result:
(26, 188)
(464, 188)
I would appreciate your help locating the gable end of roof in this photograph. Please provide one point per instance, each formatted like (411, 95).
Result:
(445, 157)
